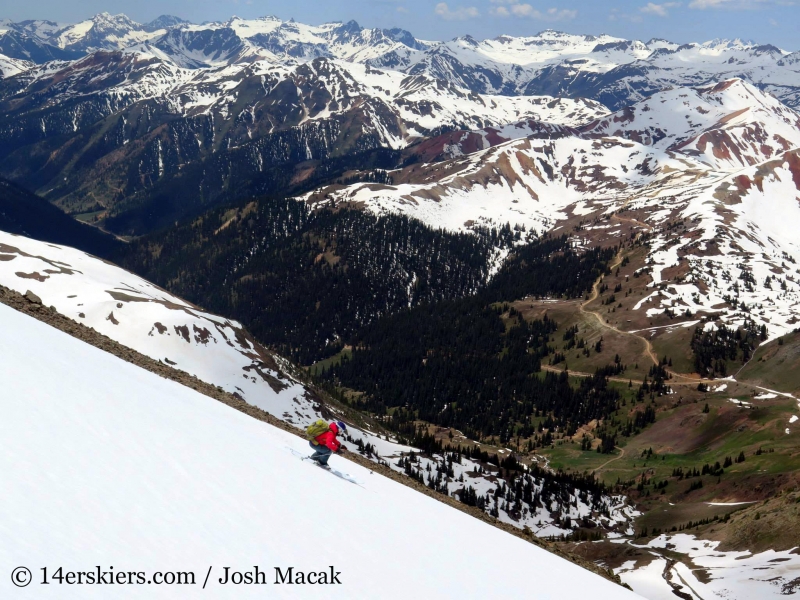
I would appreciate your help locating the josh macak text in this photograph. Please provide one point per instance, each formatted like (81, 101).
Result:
(288, 575)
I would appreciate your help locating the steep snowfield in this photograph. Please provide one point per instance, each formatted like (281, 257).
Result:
(141, 316)
(107, 464)
(12, 66)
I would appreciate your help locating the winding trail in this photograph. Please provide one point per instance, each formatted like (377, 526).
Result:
(601, 467)
(630, 220)
(689, 380)
(648, 347)
(675, 378)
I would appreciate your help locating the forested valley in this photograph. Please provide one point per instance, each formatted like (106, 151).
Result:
(305, 282)
(474, 363)
(415, 321)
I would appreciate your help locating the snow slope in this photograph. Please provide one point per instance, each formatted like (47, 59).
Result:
(144, 317)
(529, 182)
(741, 249)
(102, 32)
(12, 66)
(727, 126)
(107, 464)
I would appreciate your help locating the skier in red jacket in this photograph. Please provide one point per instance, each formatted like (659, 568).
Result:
(326, 443)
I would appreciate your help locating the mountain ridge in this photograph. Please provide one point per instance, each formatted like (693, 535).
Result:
(716, 174)
(548, 63)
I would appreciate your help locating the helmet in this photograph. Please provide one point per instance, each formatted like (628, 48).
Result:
(341, 426)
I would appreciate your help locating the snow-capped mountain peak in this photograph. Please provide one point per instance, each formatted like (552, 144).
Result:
(102, 32)
(729, 125)
(612, 70)
(165, 22)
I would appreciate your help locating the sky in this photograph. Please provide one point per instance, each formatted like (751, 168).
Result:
(763, 21)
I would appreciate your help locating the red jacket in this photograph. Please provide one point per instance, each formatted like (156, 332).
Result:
(329, 438)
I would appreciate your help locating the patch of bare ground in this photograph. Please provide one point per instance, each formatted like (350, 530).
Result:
(688, 429)
(35, 309)
(627, 284)
(610, 554)
(776, 365)
(678, 515)
(773, 524)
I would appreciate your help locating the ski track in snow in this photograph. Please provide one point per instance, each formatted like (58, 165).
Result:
(306, 458)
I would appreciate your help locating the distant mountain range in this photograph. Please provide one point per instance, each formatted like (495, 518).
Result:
(611, 70)
(138, 126)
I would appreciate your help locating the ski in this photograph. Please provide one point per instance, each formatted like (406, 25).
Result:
(339, 474)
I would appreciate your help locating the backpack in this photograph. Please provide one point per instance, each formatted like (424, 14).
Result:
(317, 428)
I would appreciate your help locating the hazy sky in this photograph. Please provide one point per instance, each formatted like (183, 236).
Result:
(765, 21)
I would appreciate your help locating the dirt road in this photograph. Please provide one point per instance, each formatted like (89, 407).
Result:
(621, 454)
(648, 347)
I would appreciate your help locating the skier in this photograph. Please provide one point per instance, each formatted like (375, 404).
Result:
(324, 444)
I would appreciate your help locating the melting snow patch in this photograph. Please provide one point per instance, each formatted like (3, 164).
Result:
(769, 396)
(793, 419)
(731, 575)
(647, 581)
